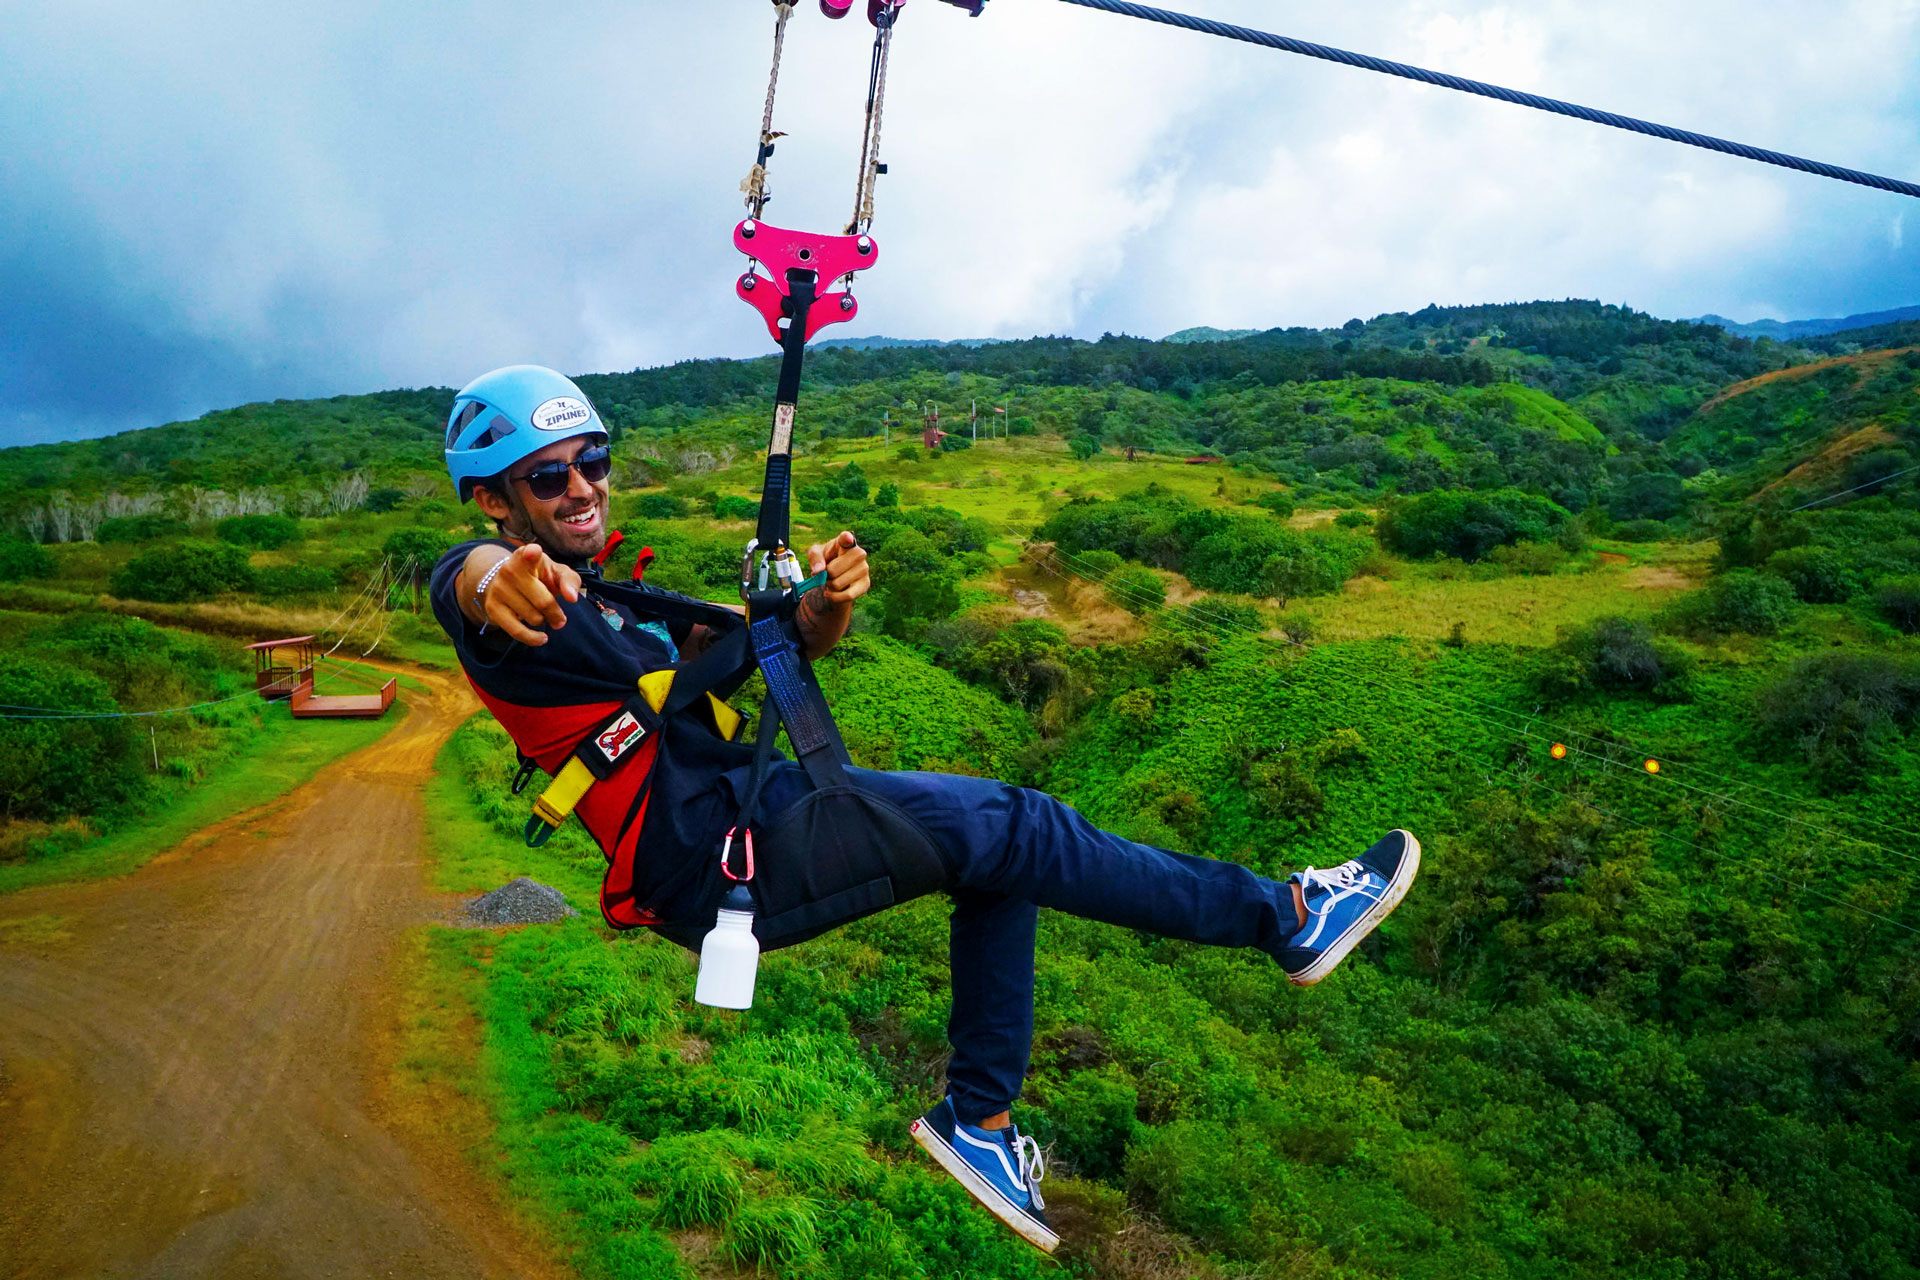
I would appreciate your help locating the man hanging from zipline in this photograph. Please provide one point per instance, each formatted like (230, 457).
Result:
(617, 690)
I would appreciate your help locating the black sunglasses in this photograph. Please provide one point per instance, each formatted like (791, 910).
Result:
(549, 480)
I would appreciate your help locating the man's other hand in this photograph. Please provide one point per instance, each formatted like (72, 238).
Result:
(845, 563)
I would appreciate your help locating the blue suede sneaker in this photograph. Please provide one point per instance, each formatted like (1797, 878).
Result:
(998, 1167)
(1346, 903)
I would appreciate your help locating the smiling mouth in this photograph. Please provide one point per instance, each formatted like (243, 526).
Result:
(582, 519)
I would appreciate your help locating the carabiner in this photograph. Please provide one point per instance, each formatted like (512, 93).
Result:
(726, 856)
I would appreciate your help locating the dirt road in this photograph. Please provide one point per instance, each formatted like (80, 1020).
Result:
(190, 1055)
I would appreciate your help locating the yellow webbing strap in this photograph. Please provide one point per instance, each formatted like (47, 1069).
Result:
(726, 719)
(563, 794)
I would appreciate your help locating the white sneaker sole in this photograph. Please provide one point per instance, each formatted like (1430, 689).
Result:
(1396, 890)
(1033, 1232)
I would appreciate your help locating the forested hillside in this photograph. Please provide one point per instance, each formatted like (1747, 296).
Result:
(1618, 614)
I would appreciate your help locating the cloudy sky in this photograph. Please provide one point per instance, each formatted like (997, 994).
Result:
(211, 203)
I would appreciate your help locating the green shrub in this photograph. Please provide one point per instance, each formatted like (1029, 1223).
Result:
(1304, 564)
(1651, 495)
(887, 496)
(1741, 601)
(418, 543)
(1468, 525)
(1898, 601)
(144, 528)
(661, 506)
(1299, 628)
(1090, 1116)
(1844, 712)
(1641, 531)
(52, 768)
(1279, 502)
(1096, 564)
(1353, 520)
(1617, 655)
(732, 507)
(1286, 788)
(1135, 588)
(188, 571)
(294, 580)
(1529, 559)
(145, 666)
(914, 583)
(1083, 447)
(1818, 575)
(1025, 663)
(268, 532)
(380, 501)
(20, 559)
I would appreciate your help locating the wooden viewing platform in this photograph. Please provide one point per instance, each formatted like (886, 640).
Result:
(308, 705)
(277, 675)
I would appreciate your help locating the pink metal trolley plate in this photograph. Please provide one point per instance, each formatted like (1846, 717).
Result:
(829, 257)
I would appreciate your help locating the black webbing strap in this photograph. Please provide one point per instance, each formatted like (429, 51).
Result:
(777, 491)
(795, 691)
(762, 758)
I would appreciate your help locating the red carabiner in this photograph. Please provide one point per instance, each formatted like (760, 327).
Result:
(726, 856)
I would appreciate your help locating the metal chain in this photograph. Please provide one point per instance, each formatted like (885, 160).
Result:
(754, 187)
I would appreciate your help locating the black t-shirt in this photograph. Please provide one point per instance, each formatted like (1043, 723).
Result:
(549, 697)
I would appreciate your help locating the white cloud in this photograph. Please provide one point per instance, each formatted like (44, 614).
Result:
(363, 195)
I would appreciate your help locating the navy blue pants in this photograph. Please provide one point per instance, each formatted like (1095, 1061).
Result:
(1010, 851)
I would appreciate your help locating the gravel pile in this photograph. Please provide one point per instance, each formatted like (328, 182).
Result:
(523, 901)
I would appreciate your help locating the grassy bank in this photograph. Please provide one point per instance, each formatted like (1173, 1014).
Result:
(264, 761)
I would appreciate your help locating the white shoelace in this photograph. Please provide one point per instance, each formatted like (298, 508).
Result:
(1334, 879)
(1033, 1166)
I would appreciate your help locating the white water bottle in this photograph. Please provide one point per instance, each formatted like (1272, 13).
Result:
(729, 955)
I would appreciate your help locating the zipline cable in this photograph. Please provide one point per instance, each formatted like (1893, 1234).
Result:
(1440, 79)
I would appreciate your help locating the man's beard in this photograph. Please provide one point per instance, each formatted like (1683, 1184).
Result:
(555, 537)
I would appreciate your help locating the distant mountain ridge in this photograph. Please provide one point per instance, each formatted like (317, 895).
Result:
(1207, 333)
(1792, 330)
(880, 342)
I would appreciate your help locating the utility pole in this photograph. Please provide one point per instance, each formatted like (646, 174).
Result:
(886, 427)
(973, 419)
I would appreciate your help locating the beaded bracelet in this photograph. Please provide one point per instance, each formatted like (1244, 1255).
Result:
(480, 591)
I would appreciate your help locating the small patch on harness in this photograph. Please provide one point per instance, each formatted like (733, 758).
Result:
(620, 737)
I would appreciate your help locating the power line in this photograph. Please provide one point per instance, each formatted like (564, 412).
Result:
(1844, 492)
(1512, 734)
(1696, 846)
(1358, 674)
(16, 711)
(1440, 79)
(1232, 625)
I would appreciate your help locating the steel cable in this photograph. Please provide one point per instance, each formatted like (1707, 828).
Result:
(1442, 80)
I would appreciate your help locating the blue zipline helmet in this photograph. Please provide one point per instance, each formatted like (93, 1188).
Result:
(503, 416)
